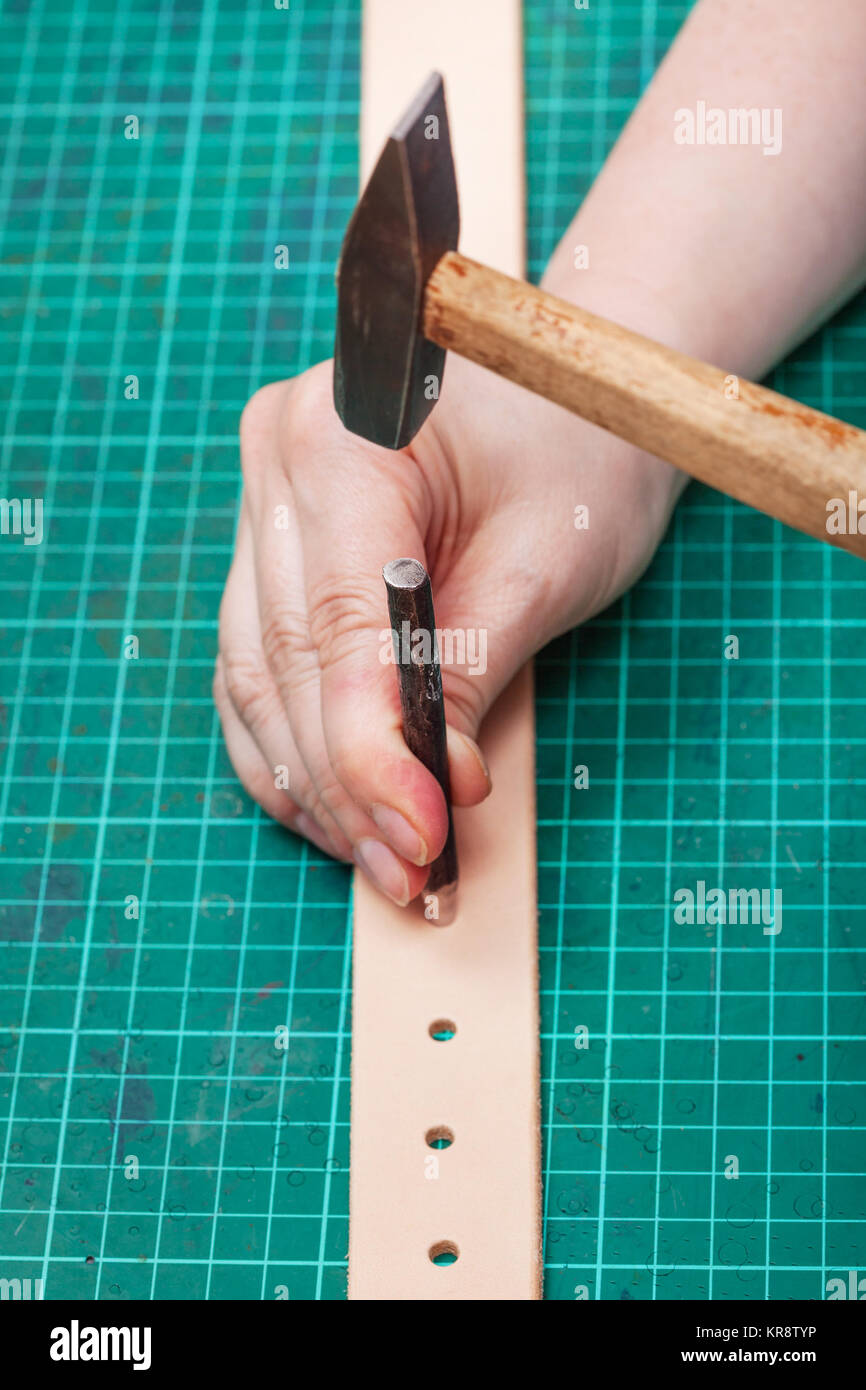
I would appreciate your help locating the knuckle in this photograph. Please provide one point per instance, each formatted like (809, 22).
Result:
(311, 423)
(465, 698)
(309, 405)
(285, 635)
(246, 684)
(287, 413)
(257, 423)
(341, 623)
(218, 684)
(259, 410)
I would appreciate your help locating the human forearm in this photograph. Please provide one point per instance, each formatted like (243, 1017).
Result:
(724, 251)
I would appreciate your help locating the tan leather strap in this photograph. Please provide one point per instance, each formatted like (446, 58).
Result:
(413, 1086)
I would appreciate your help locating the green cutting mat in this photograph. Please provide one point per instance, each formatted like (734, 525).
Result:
(153, 1039)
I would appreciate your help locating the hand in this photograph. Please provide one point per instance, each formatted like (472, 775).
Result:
(485, 497)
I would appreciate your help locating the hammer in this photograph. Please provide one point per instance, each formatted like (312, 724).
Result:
(405, 296)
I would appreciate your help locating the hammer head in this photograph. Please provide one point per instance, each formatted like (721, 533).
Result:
(387, 376)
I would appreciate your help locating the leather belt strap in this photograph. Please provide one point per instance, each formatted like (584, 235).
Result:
(445, 1020)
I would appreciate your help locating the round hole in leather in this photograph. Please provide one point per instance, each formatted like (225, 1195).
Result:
(439, 1137)
(444, 1252)
(442, 1030)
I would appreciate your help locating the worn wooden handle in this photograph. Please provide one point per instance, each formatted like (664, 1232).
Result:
(762, 448)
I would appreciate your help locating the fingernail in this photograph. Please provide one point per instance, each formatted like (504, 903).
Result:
(384, 869)
(403, 837)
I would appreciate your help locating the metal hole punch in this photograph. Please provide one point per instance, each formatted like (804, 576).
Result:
(413, 630)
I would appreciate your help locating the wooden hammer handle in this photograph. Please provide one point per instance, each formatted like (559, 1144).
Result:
(762, 448)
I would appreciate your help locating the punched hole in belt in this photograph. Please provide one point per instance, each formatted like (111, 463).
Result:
(439, 1137)
(442, 1030)
(444, 1252)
